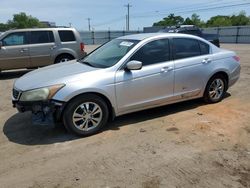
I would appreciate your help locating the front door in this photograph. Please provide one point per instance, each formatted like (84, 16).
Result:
(151, 85)
(14, 52)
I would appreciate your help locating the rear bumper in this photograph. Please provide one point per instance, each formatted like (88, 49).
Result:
(43, 112)
(234, 76)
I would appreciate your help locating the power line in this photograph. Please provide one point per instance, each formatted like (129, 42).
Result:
(201, 9)
(196, 10)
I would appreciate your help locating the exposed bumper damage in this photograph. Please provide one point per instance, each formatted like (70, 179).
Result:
(43, 112)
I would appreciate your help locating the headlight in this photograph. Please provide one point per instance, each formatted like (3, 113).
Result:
(41, 94)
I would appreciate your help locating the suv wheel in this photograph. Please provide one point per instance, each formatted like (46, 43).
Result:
(85, 115)
(215, 89)
(63, 58)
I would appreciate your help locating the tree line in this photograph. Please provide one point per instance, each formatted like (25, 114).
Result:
(21, 21)
(215, 21)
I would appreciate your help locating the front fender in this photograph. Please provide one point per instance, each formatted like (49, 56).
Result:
(69, 92)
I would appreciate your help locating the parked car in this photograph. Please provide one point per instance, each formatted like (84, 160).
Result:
(125, 75)
(31, 48)
(193, 30)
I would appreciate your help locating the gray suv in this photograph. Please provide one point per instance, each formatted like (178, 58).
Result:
(31, 48)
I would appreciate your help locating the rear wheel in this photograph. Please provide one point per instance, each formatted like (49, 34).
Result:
(215, 89)
(64, 58)
(85, 115)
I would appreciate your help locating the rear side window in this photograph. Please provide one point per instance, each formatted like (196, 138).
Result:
(14, 39)
(184, 48)
(153, 52)
(67, 36)
(38, 37)
(204, 48)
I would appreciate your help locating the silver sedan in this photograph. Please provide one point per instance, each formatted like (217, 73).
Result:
(125, 75)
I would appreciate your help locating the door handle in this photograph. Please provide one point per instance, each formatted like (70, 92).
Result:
(167, 69)
(206, 61)
(24, 50)
(53, 47)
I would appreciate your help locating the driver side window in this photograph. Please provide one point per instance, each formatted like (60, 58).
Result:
(14, 39)
(153, 52)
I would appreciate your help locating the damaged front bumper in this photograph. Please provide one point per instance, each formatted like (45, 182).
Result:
(43, 112)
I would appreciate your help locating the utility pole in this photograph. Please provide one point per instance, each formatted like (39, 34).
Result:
(126, 22)
(89, 22)
(128, 6)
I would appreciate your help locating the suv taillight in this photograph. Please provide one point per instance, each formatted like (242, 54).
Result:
(236, 58)
(82, 47)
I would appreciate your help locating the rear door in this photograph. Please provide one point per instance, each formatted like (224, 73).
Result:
(14, 53)
(42, 46)
(151, 85)
(192, 65)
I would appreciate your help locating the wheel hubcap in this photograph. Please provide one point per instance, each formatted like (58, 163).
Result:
(87, 116)
(216, 89)
(64, 60)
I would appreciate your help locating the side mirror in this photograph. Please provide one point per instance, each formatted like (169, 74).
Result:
(1, 44)
(134, 65)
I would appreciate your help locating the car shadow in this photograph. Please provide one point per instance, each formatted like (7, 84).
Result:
(19, 128)
(13, 74)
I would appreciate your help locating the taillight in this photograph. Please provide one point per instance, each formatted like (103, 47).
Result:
(237, 58)
(82, 47)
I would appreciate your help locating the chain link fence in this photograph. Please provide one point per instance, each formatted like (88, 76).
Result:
(100, 37)
(232, 34)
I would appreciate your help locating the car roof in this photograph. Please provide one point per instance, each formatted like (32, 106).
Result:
(144, 36)
(40, 29)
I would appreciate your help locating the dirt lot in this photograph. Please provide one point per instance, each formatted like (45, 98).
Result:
(188, 144)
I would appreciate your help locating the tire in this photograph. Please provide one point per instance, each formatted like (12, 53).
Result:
(85, 115)
(64, 58)
(215, 89)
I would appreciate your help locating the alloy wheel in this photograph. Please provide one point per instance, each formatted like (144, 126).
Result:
(87, 116)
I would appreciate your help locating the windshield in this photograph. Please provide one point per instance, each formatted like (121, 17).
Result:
(110, 53)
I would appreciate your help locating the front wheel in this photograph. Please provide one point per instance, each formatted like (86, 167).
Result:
(215, 89)
(85, 115)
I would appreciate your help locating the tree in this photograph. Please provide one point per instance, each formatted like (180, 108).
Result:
(4, 27)
(188, 21)
(170, 21)
(194, 20)
(240, 19)
(21, 20)
(218, 21)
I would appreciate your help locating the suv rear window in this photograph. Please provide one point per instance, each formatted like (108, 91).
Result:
(67, 36)
(37, 37)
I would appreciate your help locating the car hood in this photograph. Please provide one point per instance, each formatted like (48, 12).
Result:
(51, 75)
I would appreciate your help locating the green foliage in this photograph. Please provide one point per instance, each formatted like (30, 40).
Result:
(3, 27)
(218, 21)
(20, 21)
(170, 20)
(194, 20)
(240, 19)
(215, 21)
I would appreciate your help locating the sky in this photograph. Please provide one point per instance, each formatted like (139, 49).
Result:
(111, 14)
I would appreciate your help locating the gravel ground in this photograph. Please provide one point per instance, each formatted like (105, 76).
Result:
(188, 144)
